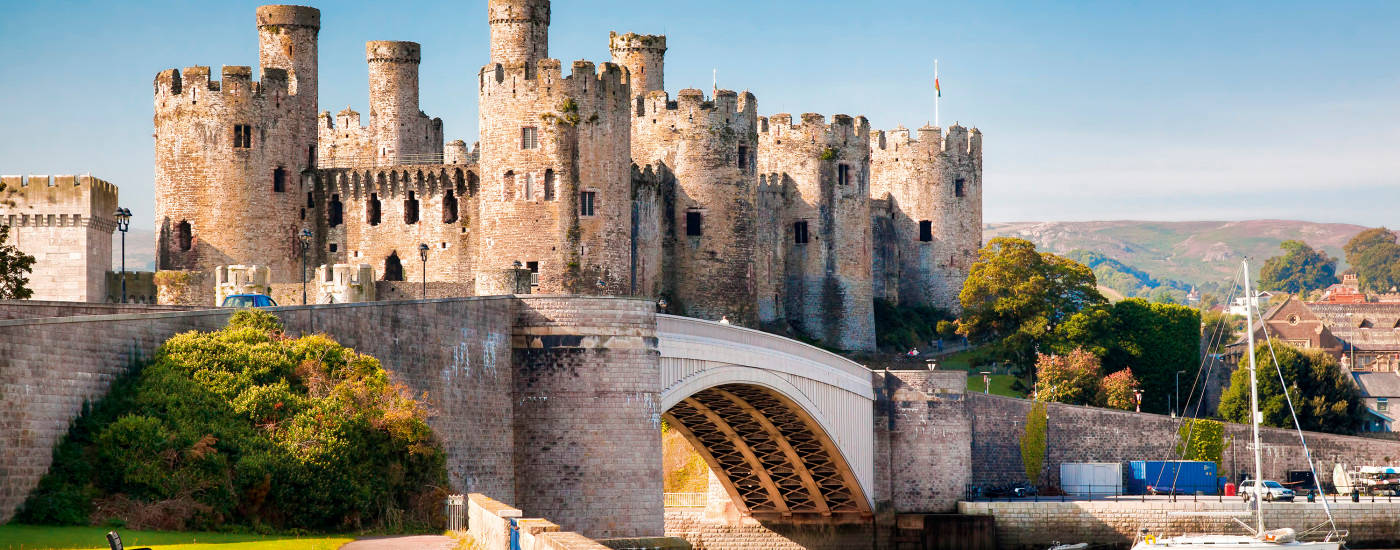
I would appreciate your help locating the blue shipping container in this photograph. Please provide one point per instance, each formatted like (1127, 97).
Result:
(1167, 476)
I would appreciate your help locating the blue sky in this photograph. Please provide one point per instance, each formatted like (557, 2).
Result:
(1091, 110)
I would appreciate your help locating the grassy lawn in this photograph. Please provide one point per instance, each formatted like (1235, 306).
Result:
(26, 537)
(972, 362)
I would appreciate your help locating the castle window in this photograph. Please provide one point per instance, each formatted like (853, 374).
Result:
(799, 232)
(529, 137)
(279, 180)
(692, 223)
(311, 156)
(183, 237)
(529, 186)
(534, 268)
(372, 209)
(958, 190)
(843, 174)
(925, 231)
(449, 208)
(310, 200)
(336, 212)
(242, 136)
(410, 209)
(549, 185)
(393, 268)
(743, 158)
(508, 190)
(334, 247)
(585, 203)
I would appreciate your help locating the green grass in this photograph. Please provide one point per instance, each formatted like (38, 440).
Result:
(1001, 384)
(27, 537)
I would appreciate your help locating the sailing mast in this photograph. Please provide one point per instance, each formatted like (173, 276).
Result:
(1254, 413)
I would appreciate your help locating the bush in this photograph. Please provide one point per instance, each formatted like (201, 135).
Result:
(901, 327)
(246, 426)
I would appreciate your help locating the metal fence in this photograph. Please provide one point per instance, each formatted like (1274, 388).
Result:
(456, 512)
(1022, 492)
(685, 500)
(354, 161)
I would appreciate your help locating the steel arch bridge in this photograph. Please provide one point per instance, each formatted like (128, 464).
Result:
(785, 426)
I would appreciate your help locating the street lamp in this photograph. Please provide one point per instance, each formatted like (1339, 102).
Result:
(123, 216)
(423, 255)
(986, 381)
(1178, 394)
(1137, 393)
(305, 237)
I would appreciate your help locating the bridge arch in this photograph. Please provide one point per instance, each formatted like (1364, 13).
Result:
(785, 426)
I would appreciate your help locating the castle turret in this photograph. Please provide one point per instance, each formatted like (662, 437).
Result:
(519, 31)
(821, 172)
(708, 148)
(66, 223)
(931, 190)
(287, 40)
(402, 133)
(644, 56)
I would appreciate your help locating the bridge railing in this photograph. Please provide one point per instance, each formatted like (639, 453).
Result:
(685, 500)
(760, 339)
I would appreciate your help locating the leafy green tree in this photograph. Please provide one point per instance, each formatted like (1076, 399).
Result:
(246, 426)
(1375, 258)
(1116, 390)
(1325, 399)
(1154, 340)
(1016, 297)
(1201, 439)
(1072, 378)
(1033, 442)
(1298, 270)
(15, 265)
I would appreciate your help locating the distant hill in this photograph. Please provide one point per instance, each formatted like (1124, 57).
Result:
(140, 250)
(1173, 254)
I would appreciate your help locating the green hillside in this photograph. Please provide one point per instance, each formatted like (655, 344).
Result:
(1148, 254)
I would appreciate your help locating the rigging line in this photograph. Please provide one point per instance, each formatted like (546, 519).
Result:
(1216, 338)
(1307, 453)
(1191, 427)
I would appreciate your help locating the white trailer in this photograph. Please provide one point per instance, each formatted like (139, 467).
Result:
(1091, 479)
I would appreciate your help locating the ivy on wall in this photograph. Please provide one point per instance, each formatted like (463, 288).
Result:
(1201, 439)
(1033, 442)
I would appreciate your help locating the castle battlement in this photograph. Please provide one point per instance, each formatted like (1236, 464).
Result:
(690, 101)
(195, 86)
(391, 51)
(930, 141)
(814, 126)
(585, 80)
(636, 42)
(289, 16)
(425, 180)
(57, 201)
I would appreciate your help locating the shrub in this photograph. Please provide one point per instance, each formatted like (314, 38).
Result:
(246, 426)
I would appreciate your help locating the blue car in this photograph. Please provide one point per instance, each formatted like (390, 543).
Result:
(249, 300)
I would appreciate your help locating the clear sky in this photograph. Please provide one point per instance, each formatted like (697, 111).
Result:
(1091, 110)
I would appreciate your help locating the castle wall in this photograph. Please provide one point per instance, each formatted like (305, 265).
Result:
(827, 289)
(923, 440)
(342, 142)
(934, 179)
(709, 147)
(644, 57)
(530, 203)
(519, 31)
(66, 223)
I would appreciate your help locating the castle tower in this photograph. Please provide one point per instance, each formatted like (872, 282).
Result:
(519, 31)
(823, 173)
(710, 221)
(402, 133)
(231, 154)
(644, 56)
(930, 188)
(66, 223)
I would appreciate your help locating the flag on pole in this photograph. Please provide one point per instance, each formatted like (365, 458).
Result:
(936, 88)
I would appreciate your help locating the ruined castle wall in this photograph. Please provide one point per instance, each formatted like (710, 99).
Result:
(66, 223)
(402, 133)
(824, 173)
(709, 147)
(934, 179)
(435, 188)
(564, 199)
(587, 414)
(342, 142)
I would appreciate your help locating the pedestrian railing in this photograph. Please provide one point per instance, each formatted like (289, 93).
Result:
(456, 512)
(685, 500)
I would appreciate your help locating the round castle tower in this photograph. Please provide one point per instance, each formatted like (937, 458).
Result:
(644, 56)
(931, 188)
(519, 31)
(404, 134)
(287, 39)
(822, 172)
(708, 148)
(556, 164)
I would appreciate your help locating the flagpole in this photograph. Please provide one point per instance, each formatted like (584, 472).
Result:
(936, 95)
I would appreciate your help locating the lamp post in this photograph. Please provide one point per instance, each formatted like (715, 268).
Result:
(986, 381)
(1137, 394)
(423, 255)
(1177, 388)
(305, 237)
(123, 216)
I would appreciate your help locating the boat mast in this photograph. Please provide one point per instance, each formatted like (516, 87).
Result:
(1249, 304)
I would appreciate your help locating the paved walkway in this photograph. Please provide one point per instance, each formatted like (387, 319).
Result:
(424, 542)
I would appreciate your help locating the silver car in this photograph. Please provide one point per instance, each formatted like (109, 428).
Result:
(1271, 490)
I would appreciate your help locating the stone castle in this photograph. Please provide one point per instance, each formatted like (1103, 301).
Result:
(595, 182)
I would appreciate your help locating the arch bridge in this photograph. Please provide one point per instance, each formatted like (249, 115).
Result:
(785, 426)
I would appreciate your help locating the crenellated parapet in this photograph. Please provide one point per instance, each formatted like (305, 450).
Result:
(644, 57)
(602, 86)
(61, 200)
(236, 93)
(66, 222)
(425, 180)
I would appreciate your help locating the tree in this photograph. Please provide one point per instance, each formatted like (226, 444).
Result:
(1375, 258)
(1217, 330)
(1116, 390)
(1072, 378)
(1299, 269)
(1324, 398)
(1154, 340)
(15, 266)
(1033, 441)
(1017, 296)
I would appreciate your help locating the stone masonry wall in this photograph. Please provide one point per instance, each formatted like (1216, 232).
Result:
(1089, 434)
(587, 414)
(35, 309)
(66, 223)
(923, 440)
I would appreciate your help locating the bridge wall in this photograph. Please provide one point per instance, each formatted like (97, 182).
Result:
(923, 440)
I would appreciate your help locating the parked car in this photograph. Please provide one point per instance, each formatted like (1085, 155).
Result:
(248, 300)
(1271, 490)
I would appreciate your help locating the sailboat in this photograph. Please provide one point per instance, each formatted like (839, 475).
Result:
(1259, 537)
